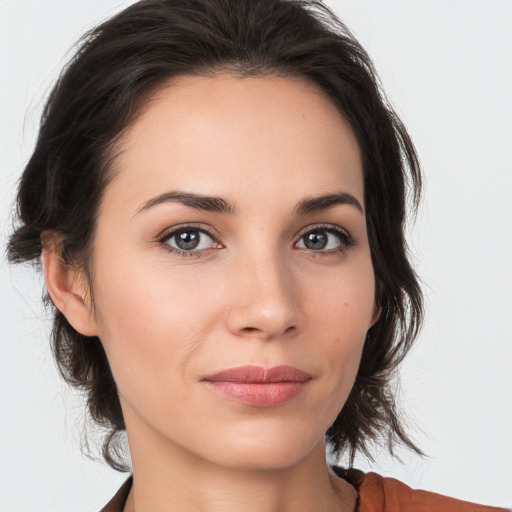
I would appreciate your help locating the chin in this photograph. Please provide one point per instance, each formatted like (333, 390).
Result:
(264, 450)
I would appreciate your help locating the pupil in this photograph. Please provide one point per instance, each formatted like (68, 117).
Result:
(316, 240)
(187, 240)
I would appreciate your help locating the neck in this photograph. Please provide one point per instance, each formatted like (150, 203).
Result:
(171, 480)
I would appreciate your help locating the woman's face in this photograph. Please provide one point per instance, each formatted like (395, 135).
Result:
(233, 234)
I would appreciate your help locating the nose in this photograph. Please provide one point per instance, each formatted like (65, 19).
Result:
(265, 301)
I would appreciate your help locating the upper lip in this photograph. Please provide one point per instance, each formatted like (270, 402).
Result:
(259, 374)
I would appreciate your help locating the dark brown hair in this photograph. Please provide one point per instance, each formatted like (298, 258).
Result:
(118, 65)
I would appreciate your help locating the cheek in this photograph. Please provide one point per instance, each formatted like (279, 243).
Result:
(136, 290)
(152, 322)
(340, 312)
(343, 302)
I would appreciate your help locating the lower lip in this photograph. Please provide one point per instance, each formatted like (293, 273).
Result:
(258, 394)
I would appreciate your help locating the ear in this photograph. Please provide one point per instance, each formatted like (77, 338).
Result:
(68, 290)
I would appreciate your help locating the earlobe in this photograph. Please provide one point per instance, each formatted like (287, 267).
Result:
(68, 291)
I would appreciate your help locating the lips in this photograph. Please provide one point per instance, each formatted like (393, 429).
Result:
(258, 386)
(258, 374)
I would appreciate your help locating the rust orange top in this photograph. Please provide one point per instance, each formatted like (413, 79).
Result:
(376, 494)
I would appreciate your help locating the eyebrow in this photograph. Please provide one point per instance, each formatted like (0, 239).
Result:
(197, 201)
(220, 205)
(315, 204)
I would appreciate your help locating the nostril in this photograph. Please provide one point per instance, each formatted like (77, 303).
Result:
(252, 330)
(249, 329)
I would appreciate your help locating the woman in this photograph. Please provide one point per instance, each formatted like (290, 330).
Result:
(217, 197)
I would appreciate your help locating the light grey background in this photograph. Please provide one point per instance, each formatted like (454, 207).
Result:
(446, 66)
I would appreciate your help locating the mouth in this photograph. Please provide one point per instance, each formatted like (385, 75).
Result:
(258, 386)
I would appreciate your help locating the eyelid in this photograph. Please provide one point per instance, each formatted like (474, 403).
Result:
(168, 232)
(326, 227)
(346, 239)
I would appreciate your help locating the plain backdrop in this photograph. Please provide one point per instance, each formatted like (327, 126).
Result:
(447, 68)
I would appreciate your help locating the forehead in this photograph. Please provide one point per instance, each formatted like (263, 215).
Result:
(224, 135)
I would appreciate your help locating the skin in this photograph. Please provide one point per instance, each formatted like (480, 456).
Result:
(253, 293)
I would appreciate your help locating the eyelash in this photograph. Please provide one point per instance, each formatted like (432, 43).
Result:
(346, 240)
(163, 239)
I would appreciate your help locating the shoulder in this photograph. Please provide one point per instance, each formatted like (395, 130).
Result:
(379, 494)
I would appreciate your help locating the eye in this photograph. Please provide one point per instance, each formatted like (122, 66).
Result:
(325, 239)
(188, 240)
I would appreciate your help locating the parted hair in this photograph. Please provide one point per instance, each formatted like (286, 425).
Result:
(117, 66)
